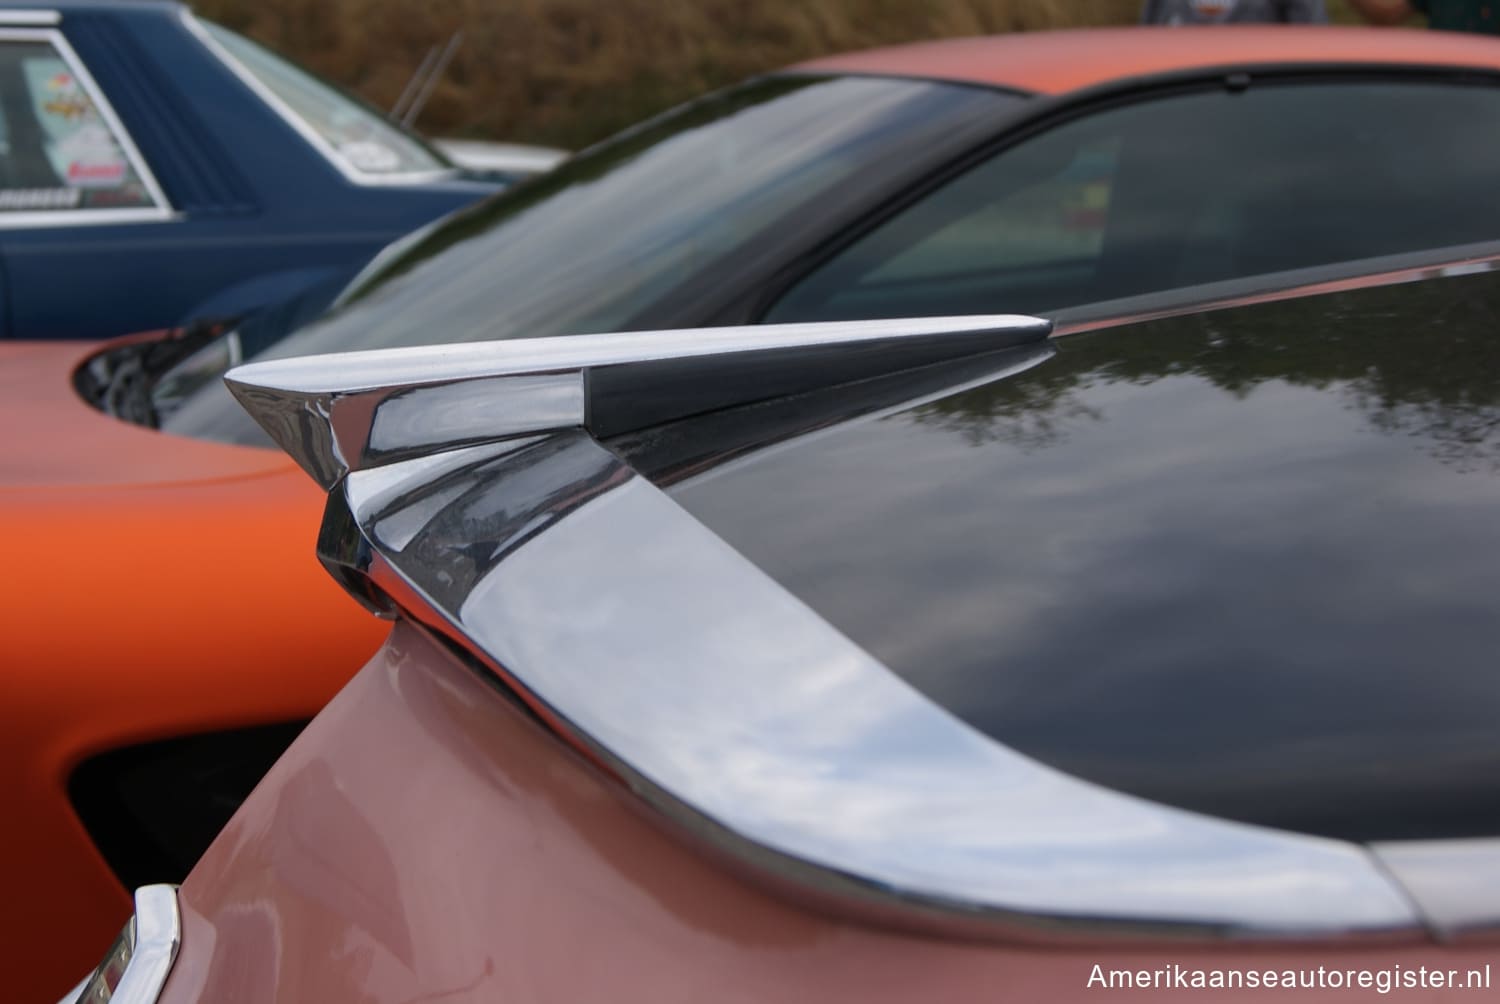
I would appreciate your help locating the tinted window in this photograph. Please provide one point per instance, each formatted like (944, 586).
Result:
(1241, 561)
(621, 228)
(1179, 191)
(57, 148)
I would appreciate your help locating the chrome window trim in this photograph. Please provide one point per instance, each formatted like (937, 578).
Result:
(158, 934)
(32, 220)
(161, 210)
(720, 699)
(36, 17)
(300, 125)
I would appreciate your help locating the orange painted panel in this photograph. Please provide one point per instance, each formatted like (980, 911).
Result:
(1057, 62)
(152, 587)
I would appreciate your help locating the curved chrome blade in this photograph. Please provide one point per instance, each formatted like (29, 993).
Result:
(335, 414)
(717, 696)
(736, 711)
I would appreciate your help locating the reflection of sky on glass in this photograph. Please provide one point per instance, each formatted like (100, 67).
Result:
(590, 246)
(598, 250)
(1256, 602)
(1186, 189)
(661, 644)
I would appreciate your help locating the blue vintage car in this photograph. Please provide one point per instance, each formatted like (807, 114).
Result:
(155, 168)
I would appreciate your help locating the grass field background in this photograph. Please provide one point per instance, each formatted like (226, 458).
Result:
(568, 72)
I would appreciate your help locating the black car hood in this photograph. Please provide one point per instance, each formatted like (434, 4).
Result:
(1243, 562)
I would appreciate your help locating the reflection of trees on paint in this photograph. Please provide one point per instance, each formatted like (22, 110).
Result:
(1419, 360)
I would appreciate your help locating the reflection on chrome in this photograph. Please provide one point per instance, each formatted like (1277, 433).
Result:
(720, 697)
(735, 710)
(1455, 882)
(335, 414)
(135, 968)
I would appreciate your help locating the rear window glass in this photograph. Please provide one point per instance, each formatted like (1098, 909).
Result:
(58, 150)
(625, 226)
(1177, 191)
(1240, 561)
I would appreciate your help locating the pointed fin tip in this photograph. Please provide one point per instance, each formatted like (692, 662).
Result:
(336, 413)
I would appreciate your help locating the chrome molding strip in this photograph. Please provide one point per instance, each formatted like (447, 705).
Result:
(1455, 883)
(300, 125)
(1384, 270)
(160, 212)
(163, 208)
(720, 698)
(146, 948)
(30, 18)
(30, 220)
(336, 414)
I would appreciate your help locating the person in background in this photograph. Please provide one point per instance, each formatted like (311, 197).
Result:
(1236, 11)
(1444, 15)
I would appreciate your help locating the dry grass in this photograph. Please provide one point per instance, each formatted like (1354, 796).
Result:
(571, 71)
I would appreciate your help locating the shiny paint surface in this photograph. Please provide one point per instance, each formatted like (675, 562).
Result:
(55, 440)
(117, 630)
(1238, 562)
(425, 840)
(1057, 62)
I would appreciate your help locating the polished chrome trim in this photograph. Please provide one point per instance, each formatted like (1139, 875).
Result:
(30, 18)
(159, 212)
(158, 934)
(154, 933)
(738, 712)
(518, 159)
(724, 702)
(335, 414)
(1290, 284)
(1455, 883)
(30, 220)
(300, 125)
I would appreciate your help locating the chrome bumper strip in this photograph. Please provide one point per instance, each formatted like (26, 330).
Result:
(141, 958)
